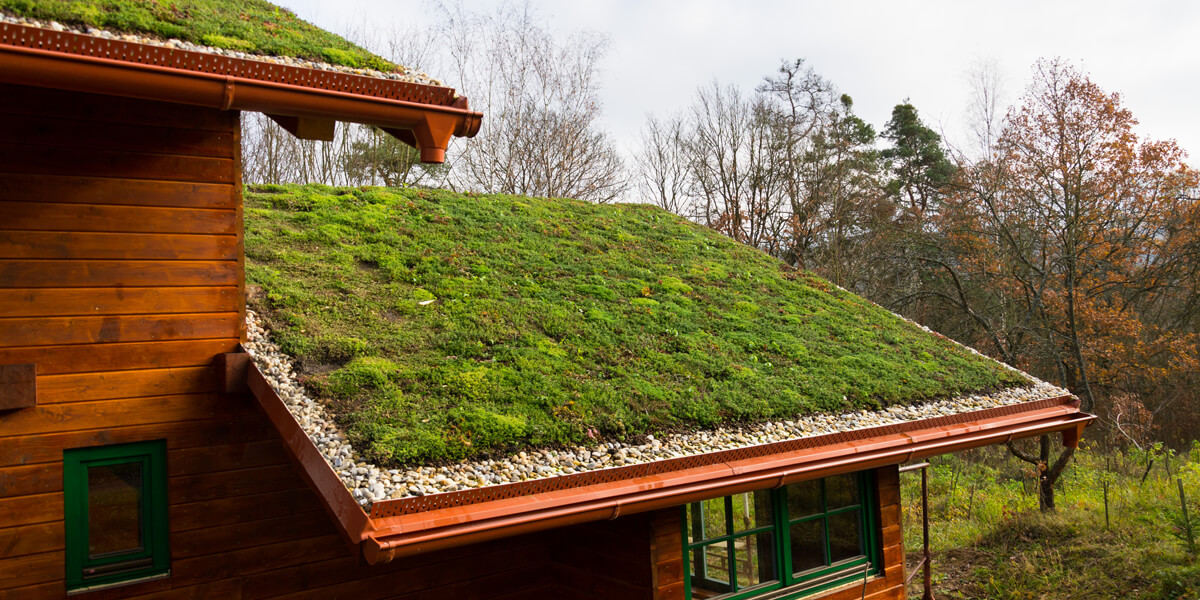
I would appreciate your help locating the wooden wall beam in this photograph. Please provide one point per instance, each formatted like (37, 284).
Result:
(18, 386)
(306, 128)
(232, 368)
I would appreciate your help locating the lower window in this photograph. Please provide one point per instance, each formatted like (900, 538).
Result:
(790, 542)
(115, 505)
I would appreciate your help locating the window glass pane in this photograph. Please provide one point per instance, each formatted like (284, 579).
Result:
(808, 545)
(845, 535)
(751, 510)
(804, 499)
(755, 559)
(841, 491)
(716, 562)
(114, 509)
(712, 518)
(710, 570)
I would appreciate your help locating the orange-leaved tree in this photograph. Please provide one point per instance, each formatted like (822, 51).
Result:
(1066, 252)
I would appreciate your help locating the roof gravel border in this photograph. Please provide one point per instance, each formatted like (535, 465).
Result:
(385, 493)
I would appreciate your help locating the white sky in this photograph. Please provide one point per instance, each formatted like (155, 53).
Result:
(879, 52)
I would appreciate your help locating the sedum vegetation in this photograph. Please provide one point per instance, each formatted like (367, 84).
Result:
(442, 326)
(252, 26)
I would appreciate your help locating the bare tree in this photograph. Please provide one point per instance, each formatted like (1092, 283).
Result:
(662, 164)
(272, 155)
(789, 169)
(539, 93)
(369, 156)
(266, 151)
(802, 103)
(540, 98)
(986, 104)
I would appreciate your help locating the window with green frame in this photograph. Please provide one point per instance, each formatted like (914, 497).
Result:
(115, 505)
(793, 541)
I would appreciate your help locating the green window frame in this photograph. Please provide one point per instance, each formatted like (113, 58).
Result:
(115, 513)
(794, 541)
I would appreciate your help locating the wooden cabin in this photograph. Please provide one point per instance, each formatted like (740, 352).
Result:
(144, 455)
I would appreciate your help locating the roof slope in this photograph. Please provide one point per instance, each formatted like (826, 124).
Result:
(442, 326)
(251, 26)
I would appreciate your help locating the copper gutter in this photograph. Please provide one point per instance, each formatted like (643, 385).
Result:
(512, 509)
(431, 125)
(425, 532)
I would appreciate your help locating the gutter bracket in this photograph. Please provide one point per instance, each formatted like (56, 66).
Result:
(782, 477)
(912, 442)
(616, 512)
(227, 97)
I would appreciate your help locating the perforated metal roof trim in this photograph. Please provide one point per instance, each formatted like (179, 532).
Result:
(201, 62)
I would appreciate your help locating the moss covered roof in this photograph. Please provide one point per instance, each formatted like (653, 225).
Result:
(251, 26)
(441, 326)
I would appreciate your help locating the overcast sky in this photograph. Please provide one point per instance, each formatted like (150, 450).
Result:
(878, 52)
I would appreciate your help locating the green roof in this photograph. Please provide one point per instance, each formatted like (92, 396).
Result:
(441, 326)
(251, 26)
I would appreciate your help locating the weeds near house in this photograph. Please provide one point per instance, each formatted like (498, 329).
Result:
(991, 541)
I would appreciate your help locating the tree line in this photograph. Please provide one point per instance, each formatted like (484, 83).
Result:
(1060, 242)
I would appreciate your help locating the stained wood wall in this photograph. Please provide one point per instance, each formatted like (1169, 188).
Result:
(603, 560)
(667, 550)
(120, 275)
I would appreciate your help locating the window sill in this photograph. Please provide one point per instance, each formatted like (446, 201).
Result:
(818, 588)
(117, 584)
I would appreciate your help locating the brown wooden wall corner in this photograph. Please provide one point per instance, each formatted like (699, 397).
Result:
(18, 386)
(232, 370)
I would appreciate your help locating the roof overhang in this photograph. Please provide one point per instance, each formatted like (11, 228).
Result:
(305, 101)
(411, 526)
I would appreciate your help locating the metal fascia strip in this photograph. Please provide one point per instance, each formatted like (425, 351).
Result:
(432, 125)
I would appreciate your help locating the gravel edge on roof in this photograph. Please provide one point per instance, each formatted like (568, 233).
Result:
(369, 483)
(406, 75)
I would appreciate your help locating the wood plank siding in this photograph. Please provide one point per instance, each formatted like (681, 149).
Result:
(121, 279)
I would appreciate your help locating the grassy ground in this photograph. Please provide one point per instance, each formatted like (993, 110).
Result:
(252, 26)
(990, 541)
(442, 326)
